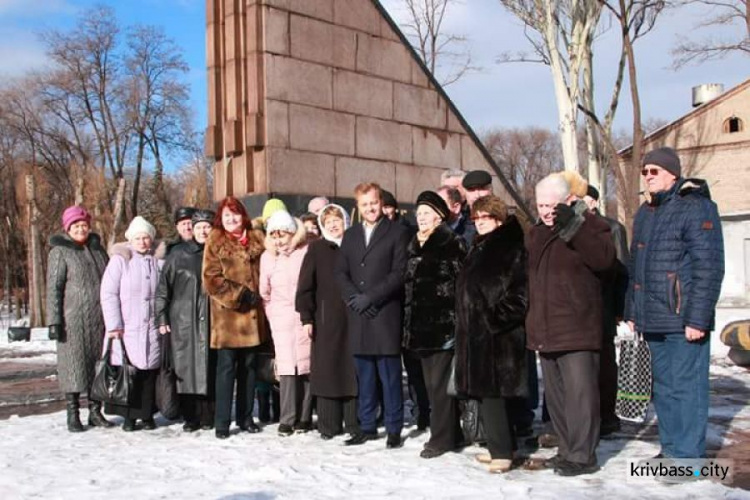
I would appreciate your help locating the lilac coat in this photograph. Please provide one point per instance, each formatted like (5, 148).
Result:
(279, 275)
(128, 302)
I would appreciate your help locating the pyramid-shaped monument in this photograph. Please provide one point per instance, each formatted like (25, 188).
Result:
(312, 97)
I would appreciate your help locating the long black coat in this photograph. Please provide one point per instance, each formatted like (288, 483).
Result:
(430, 290)
(319, 303)
(491, 303)
(378, 271)
(182, 304)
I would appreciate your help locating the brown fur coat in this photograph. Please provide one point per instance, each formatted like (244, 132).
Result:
(228, 270)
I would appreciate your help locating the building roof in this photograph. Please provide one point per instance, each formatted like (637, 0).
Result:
(695, 112)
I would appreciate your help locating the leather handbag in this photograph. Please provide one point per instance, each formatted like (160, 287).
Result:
(167, 399)
(113, 384)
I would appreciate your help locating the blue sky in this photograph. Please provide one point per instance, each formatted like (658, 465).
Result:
(506, 95)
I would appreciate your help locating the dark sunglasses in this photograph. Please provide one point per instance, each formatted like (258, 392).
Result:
(652, 171)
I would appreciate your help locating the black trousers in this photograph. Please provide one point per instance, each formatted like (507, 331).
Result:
(498, 432)
(608, 380)
(231, 365)
(520, 409)
(571, 387)
(416, 382)
(196, 408)
(142, 400)
(332, 411)
(445, 429)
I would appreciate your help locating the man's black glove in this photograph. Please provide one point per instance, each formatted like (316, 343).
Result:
(56, 332)
(359, 303)
(563, 215)
(248, 298)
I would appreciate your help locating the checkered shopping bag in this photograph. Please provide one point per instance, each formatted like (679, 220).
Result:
(634, 380)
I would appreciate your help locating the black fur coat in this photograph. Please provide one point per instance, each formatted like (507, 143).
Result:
(491, 304)
(430, 290)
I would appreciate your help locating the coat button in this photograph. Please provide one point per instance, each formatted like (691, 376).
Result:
(361, 282)
(362, 264)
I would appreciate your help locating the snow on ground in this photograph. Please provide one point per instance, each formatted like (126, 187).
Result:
(40, 459)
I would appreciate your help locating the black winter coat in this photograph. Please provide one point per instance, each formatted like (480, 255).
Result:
(377, 271)
(182, 304)
(319, 303)
(491, 304)
(430, 290)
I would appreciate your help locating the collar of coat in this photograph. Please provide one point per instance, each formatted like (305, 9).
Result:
(94, 242)
(508, 235)
(123, 249)
(683, 187)
(219, 240)
(298, 239)
(440, 238)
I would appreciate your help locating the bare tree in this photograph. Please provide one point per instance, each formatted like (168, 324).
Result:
(561, 33)
(719, 13)
(525, 156)
(444, 54)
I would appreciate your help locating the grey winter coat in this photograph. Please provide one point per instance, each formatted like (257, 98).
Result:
(74, 274)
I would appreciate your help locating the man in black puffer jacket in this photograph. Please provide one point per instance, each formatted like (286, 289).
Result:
(676, 269)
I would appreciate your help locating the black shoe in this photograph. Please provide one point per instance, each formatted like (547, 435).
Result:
(73, 414)
(285, 430)
(148, 424)
(302, 427)
(393, 441)
(129, 425)
(222, 434)
(360, 438)
(569, 469)
(553, 462)
(609, 427)
(96, 419)
(423, 421)
(191, 426)
(548, 440)
(431, 453)
(250, 426)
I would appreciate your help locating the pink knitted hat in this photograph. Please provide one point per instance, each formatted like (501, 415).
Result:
(74, 214)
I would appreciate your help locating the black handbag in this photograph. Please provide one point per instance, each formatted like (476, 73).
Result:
(167, 399)
(113, 384)
(265, 368)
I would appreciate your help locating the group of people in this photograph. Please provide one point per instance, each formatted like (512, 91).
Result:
(462, 299)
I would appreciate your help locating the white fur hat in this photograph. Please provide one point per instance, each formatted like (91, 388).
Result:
(281, 221)
(139, 225)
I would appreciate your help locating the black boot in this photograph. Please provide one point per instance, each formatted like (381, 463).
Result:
(74, 417)
(96, 419)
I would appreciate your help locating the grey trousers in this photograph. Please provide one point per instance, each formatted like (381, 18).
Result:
(571, 388)
(295, 399)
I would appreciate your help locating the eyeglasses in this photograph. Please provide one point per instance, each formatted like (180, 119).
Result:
(482, 217)
(652, 171)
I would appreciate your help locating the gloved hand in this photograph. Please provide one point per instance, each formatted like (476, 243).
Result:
(359, 303)
(563, 215)
(248, 298)
(56, 332)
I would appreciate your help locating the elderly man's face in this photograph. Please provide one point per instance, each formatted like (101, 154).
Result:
(185, 229)
(657, 179)
(474, 194)
(546, 201)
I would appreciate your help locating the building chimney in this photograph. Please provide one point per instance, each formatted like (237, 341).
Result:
(706, 92)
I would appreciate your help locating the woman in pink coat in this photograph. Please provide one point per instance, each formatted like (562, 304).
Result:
(279, 273)
(128, 295)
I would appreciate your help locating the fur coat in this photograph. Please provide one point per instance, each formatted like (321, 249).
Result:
(229, 268)
(430, 290)
(491, 303)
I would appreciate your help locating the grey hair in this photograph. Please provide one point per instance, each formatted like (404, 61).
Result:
(555, 183)
(450, 174)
